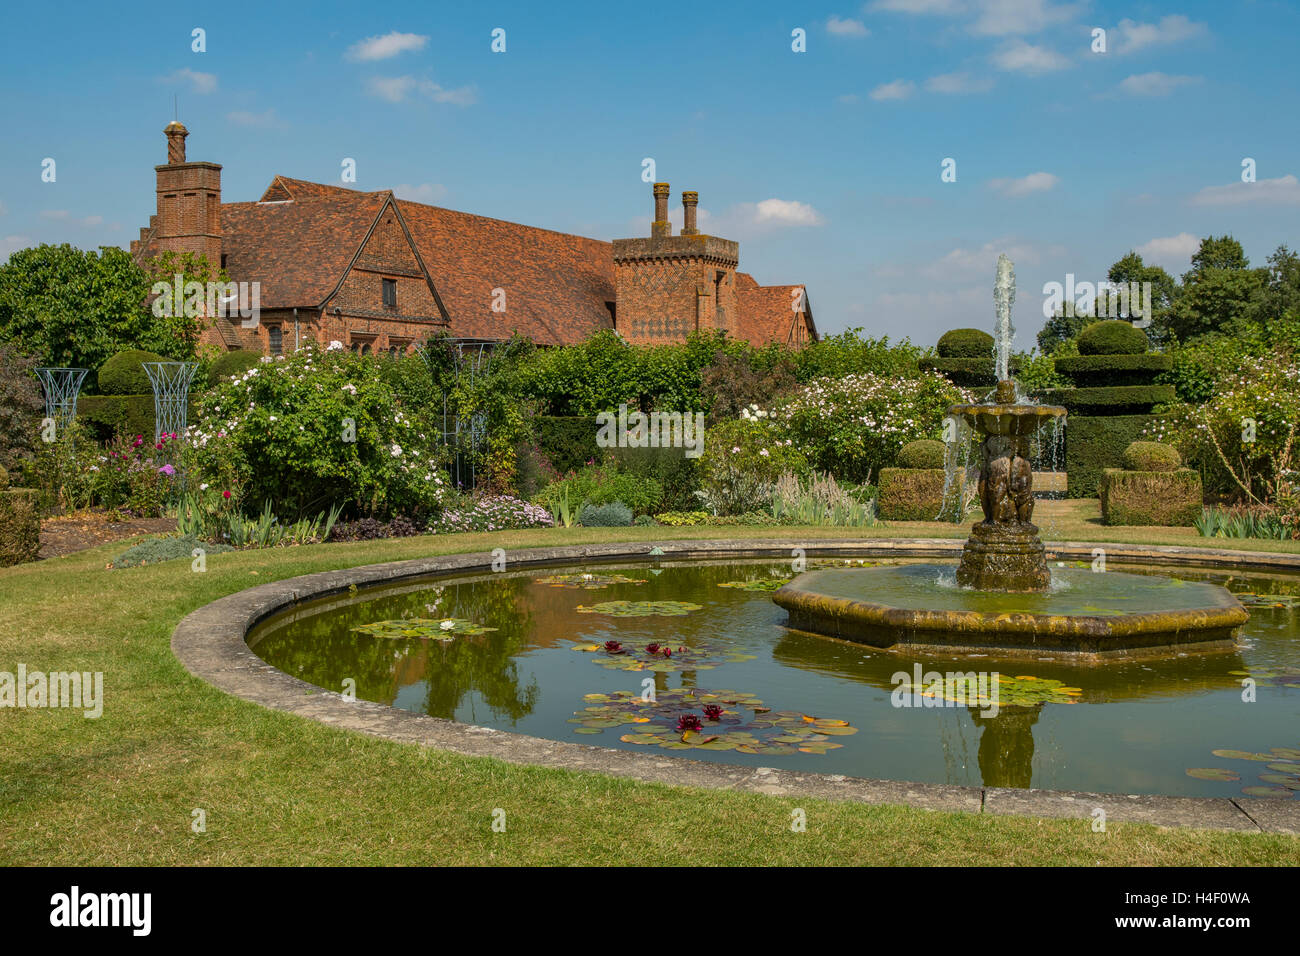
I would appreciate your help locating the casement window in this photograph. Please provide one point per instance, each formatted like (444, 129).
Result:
(275, 336)
(390, 293)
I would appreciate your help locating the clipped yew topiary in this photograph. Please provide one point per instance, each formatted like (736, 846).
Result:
(124, 373)
(1112, 337)
(965, 343)
(924, 453)
(1165, 498)
(1113, 370)
(1152, 456)
(910, 494)
(229, 364)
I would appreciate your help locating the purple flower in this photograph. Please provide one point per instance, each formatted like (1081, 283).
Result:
(166, 470)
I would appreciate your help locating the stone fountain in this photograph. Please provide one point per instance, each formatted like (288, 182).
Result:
(1003, 596)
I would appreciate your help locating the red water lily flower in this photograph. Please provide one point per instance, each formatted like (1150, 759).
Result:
(713, 711)
(614, 647)
(652, 648)
(688, 722)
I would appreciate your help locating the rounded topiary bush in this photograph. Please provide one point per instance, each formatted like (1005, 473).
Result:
(229, 364)
(965, 343)
(1112, 337)
(124, 373)
(1151, 456)
(925, 453)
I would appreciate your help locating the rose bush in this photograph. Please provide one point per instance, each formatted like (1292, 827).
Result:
(313, 429)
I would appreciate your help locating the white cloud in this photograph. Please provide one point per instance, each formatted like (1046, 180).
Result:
(1024, 186)
(62, 215)
(1154, 84)
(1171, 250)
(264, 120)
(991, 17)
(1132, 36)
(786, 212)
(11, 244)
(395, 89)
(846, 27)
(958, 83)
(386, 46)
(1285, 190)
(199, 82)
(1022, 57)
(1015, 17)
(747, 220)
(425, 192)
(897, 90)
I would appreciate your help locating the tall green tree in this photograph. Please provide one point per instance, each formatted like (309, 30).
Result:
(1220, 293)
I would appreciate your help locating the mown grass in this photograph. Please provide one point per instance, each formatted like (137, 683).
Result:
(278, 789)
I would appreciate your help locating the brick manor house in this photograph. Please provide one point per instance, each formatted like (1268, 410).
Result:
(378, 273)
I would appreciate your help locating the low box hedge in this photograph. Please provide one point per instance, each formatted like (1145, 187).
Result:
(106, 415)
(568, 441)
(20, 526)
(1171, 498)
(1119, 400)
(910, 494)
(1113, 370)
(1095, 443)
(966, 372)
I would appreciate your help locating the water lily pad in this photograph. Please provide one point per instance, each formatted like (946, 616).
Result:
(1291, 753)
(588, 582)
(762, 584)
(1241, 755)
(640, 608)
(424, 628)
(1274, 792)
(1213, 773)
(1281, 780)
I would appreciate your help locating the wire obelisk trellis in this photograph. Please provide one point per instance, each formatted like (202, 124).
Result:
(171, 396)
(465, 434)
(61, 387)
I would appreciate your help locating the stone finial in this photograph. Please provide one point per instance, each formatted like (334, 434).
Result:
(690, 200)
(661, 226)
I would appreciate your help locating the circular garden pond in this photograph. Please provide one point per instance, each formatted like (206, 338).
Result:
(694, 659)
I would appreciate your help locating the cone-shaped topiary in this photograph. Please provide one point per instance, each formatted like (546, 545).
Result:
(1112, 337)
(1152, 456)
(228, 364)
(965, 343)
(925, 453)
(124, 373)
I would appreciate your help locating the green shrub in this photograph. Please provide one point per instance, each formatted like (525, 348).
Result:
(1093, 444)
(644, 521)
(678, 476)
(910, 494)
(568, 441)
(965, 343)
(124, 373)
(1152, 456)
(1114, 370)
(742, 460)
(107, 415)
(1112, 337)
(20, 526)
(21, 406)
(1119, 400)
(612, 515)
(965, 372)
(155, 550)
(1167, 498)
(229, 364)
(602, 485)
(923, 453)
(682, 519)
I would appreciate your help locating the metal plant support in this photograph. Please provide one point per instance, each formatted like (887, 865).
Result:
(171, 395)
(465, 434)
(61, 388)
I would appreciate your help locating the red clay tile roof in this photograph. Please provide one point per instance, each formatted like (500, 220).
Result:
(301, 238)
(556, 285)
(298, 251)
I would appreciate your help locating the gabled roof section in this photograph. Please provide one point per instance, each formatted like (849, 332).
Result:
(556, 285)
(297, 251)
(765, 311)
(285, 189)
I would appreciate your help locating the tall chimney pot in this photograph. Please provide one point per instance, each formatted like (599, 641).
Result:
(690, 200)
(661, 226)
(176, 133)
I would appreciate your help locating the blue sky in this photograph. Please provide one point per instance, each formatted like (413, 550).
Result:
(824, 164)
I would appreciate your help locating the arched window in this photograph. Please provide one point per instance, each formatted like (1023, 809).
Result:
(365, 349)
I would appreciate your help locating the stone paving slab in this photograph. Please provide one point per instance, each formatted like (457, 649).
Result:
(210, 643)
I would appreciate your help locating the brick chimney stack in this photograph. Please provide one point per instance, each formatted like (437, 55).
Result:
(690, 199)
(661, 226)
(176, 133)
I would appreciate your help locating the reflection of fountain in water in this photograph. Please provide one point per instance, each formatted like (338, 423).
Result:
(1006, 751)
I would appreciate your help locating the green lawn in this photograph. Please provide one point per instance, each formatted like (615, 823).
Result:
(281, 790)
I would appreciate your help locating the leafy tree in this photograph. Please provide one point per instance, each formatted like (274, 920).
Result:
(1282, 289)
(1220, 293)
(1216, 252)
(76, 308)
(1062, 328)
